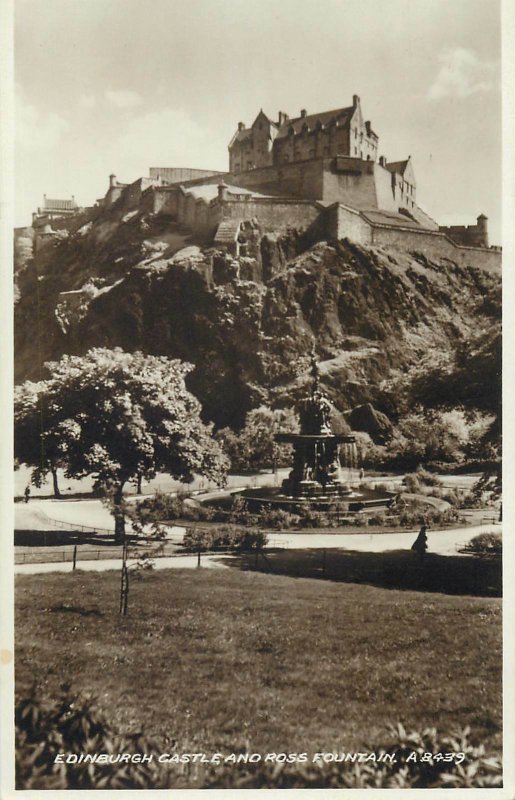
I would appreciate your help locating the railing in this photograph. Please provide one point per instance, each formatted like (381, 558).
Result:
(108, 553)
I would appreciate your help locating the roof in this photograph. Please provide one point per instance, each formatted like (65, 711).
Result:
(208, 191)
(342, 115)
(389, 218)
(397, 166)
(59, 205)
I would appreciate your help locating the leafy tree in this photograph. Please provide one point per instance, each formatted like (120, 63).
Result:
(254, 447)
(117, 415)
(37, 441)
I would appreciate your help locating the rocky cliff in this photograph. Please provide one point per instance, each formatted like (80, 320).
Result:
(135, 280)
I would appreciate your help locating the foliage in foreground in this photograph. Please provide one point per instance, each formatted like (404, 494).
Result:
(484, 544)
(72, 725)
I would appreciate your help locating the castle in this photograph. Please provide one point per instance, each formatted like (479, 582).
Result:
(317, 173)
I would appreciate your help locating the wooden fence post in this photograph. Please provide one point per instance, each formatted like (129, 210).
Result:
(323, 562)
(198, 557)
(74, 556)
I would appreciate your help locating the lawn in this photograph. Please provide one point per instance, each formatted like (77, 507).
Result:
(268, 662)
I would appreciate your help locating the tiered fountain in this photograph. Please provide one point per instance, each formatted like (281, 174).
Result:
(319, 458)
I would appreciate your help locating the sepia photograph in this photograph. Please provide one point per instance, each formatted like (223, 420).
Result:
(257, 399)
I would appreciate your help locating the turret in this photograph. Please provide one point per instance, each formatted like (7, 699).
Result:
(482, 226)
(222, 192)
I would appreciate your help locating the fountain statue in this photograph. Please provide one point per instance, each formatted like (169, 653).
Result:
(316, 461)
(319, 454)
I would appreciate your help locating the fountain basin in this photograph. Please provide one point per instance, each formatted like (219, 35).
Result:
(355, 500)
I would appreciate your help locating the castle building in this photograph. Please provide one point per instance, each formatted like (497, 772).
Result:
(53, 209)
(317, 173)
(289, 140)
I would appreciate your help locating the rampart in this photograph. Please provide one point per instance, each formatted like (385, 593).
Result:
(347, 222)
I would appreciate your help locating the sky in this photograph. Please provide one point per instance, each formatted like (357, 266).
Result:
(118, 86)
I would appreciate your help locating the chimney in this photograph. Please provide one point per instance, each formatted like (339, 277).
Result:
(241, 126)
(283, 116)
(382, 161)
(355, 100)
(303, 112)
(112, 181)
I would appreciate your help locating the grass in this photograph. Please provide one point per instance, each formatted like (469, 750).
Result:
(393, 569)
(215, 661)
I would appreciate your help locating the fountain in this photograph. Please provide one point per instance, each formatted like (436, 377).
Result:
(318, 457)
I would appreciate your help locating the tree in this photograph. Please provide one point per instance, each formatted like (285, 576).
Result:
(37, 439)
(254, 447)
(117, 415)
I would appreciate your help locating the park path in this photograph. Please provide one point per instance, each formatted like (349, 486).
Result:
(36, 515)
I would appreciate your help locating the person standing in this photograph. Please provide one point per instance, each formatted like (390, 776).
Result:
(420, 543)
(26, 493)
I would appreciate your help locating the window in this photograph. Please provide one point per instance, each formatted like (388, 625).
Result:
(311, 153)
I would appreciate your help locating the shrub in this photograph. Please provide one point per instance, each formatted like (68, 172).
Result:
(315, 519)
(239, 512)
(72, 725)
(223, 537)
(378, 518)
(277, 518)
(198, 512)
(484, 544)
(428, 478)
(412, 483)
(468, 767)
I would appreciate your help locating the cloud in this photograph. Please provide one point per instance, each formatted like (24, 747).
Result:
(37, 130)
(167, 137)
(87, 101)
(462, 74)
(123, 98)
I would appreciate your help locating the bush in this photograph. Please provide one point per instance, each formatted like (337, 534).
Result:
(378, 518)
(427, 478)
(467, 767)
(198, 512)
(277, 518)
(484, 544)
(72, 725)
(315, 519)
(412, 484)
(224, 537)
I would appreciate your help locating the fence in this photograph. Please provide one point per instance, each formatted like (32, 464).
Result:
(47, 556)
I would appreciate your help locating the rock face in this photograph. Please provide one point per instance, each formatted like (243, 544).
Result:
(367, 419)
(249, 324)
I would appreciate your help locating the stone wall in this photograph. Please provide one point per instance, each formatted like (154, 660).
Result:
(434, 244)
(347, 223)
(273, 215)
(303, 180)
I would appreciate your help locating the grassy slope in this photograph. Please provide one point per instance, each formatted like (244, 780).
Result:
(286, 664)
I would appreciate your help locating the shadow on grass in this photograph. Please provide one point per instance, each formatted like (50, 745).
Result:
(34, 538)
(396, 569)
